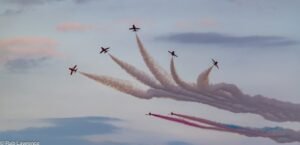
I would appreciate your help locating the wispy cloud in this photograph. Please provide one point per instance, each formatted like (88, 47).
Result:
(8, 124)
(26, 40)
(178, 143)
(10, 12)
(74, 27)
(206, 22)
(40, 2)
(82, 1)
(21, 6)
(29, 2)
(25, 64)
(227, 40)
(27, 52)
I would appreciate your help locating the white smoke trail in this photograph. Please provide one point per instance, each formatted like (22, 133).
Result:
(166, 94)
(179, 81)
(224, 96)
(221, 89)
(147, 80)
(216, 95)
(121, 85)
(126, 87)
(230, 88)
(273, 109)
(241, 101)
(203, 79)
(163, 77)
(235, 100)
(160, 74)
(136, 73)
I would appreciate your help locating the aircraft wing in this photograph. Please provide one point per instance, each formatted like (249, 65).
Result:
(217, 66)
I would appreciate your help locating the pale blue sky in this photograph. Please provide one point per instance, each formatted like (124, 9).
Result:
(36, 85)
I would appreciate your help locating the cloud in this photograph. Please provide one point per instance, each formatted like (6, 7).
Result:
(74, 27)
(24, 64)
(10, 12)
(20, 124)
(27, 52)
(178, 143)
(226, 40)
(29, 2)
(206, 22)
(40, 2)
(114, 143)
(22, 5)
(65, 131)
(82, 1)
(29, 46)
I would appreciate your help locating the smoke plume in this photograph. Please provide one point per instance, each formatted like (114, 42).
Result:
(221, 95)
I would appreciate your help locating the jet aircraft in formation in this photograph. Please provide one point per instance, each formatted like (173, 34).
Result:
(215, 63)
(73, 69)
(173, 53)
(104, 50)
(134, 28)
(149, 114)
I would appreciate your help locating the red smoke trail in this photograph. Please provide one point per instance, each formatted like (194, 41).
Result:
(219, 125)
(182, 121)
(198, 119)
